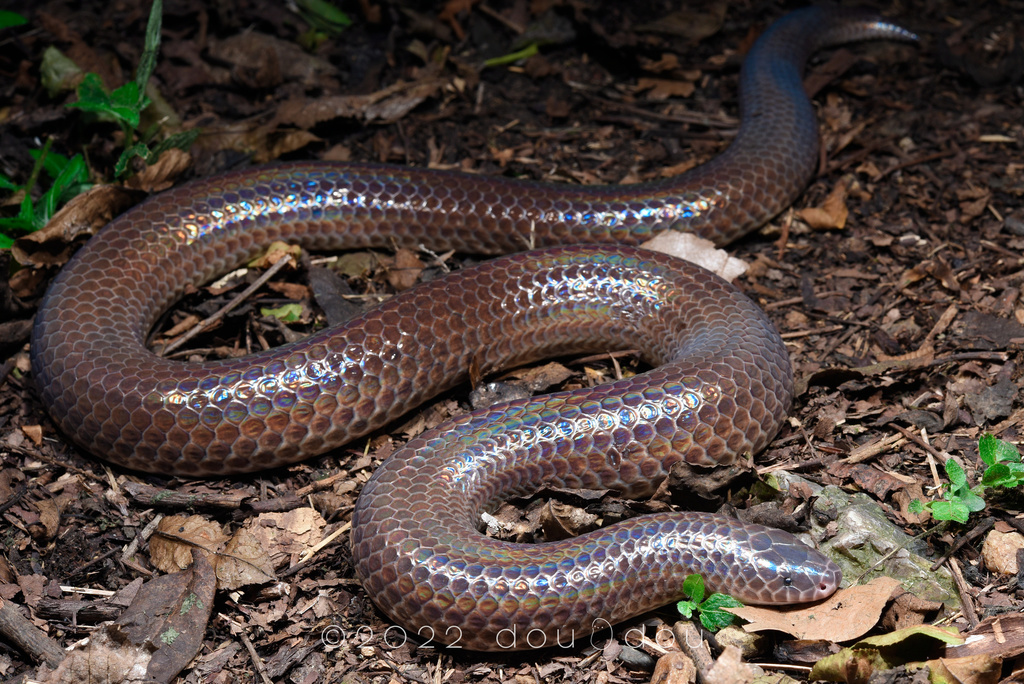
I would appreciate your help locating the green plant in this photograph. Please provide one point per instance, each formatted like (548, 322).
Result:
(69, 178)
(125, 104)
(959, 500)
(9, 19)
(709, 610)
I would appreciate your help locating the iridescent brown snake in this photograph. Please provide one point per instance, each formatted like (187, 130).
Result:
(720, 386)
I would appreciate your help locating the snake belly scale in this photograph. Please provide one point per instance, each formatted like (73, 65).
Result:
(720, 386)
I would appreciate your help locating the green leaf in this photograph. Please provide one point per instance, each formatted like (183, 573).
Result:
(288, 313)
(693, 586)
(949, 510)
(916, 506)
(686, 608)
(712, 615)
(1016, 469)
(323, 16)
(997, 475)
(972, 501)
(987, 448)
(1006, 452)
(127, 102)
(513, 57)
(136, 150)
(7, 184)
(9, 19)
(53, 162)
(147, 62)
(182, 140)
(73, 174)
(957, 476)
(92, 96)
(5, 242)
(124, 104)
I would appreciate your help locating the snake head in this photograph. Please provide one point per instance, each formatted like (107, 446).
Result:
(774, 567)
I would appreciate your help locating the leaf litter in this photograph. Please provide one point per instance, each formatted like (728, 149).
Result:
(897, 288)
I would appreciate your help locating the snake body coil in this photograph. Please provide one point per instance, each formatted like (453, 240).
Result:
(720, 387)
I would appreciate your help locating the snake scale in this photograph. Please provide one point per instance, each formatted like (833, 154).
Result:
(720, 386)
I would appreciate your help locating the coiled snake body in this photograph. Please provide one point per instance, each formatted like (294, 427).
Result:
(720, 386)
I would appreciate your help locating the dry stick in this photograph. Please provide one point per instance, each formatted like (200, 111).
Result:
(863, 453)
(692, 644)
(914, 162)
(979, 529)
(203, 325)
(261, 668)
(965, 598)
(17, 629)
(942, 456)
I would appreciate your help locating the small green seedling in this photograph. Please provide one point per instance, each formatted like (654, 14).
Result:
(709, 610)
(959, 500)
(125, 104)
(69, 178)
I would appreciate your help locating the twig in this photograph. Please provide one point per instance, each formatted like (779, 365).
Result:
(20, 631)
(979, 529)
(692, 644)
(965, 598)
(229, 307)
(261, 669)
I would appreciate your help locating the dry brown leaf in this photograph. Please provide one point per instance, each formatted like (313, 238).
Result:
(275, 252)
(699, 251)
(162, 174)
(674, 668)
(82, 216)
(388, 104)
(689, 24)
(170, 550)
(49, 516)
(172, 611)
(34, 432)
(847, 614)
(405, 269)
(285, 536)
(832, 213)
(108, 656)
(244, 561)
(664, 88)
(978, 669)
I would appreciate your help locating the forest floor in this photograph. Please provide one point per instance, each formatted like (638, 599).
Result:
(896, 283)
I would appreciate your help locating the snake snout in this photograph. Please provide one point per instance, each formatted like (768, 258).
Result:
(781, 569)
(804, 575)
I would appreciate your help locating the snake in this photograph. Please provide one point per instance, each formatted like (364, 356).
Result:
(718, 390)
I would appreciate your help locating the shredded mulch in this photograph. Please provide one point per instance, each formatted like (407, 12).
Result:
(896, 282)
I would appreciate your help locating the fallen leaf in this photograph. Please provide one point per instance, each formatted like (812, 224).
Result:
(882, 652)
(286, 536)
(244, 561)
(664, 88)
(832, 213)
(81, 217)
(405, 269)
(163, 173)
(172, 612)
(699, 251)
(171, 549)
(847, 614)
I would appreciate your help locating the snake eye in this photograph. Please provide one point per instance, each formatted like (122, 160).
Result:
(788, 581)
